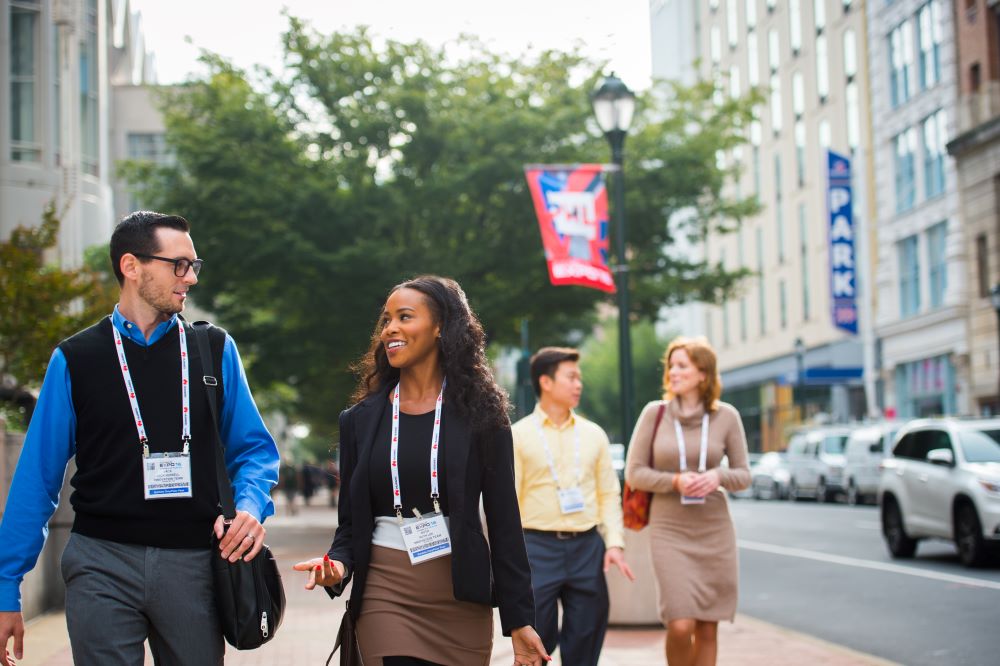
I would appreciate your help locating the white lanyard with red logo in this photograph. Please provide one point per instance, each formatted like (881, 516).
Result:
(702, 454)
(427, 538)
(570, 497)
(165, 475)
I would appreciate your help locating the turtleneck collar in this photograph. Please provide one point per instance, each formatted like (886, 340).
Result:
(688, 420)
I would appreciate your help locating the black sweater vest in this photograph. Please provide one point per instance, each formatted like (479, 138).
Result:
(108, 484)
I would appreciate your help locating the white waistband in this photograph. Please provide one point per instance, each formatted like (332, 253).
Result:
(387, 532)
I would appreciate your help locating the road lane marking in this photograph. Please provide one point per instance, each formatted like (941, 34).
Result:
(866, 564)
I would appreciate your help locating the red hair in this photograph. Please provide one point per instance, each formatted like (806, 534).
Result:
(703, 356)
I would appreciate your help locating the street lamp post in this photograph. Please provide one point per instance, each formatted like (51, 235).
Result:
(614, 105)
(995, 299)
(800, 353)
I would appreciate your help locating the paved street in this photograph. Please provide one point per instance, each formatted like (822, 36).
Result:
(824, 570)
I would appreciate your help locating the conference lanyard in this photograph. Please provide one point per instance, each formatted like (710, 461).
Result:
(397, 500)
(551, 460)
(703, 454)
(185, 391)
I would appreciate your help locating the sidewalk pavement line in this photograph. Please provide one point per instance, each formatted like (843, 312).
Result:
(866, 564)
(862, 657)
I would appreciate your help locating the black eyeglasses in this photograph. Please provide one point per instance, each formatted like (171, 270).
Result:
(181, 266)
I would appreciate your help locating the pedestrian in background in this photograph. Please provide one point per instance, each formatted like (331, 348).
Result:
(567, 488)
(692, 538)
(427, 439)
(116, 396)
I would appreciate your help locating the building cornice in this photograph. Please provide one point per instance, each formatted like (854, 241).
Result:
(926, 320)
(975, 137)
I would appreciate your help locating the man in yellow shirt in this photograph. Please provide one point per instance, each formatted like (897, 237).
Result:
(567, 488)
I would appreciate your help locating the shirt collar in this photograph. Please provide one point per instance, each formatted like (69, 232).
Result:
(132, 331)
(544, 417)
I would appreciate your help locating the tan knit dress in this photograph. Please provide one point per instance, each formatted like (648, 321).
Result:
(693, 546)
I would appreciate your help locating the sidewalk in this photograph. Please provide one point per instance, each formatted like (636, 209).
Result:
(311, 621)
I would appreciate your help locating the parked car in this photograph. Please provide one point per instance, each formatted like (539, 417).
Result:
(866, 448)
(943, 481)
(769, 476)
(618, 461)
(746, 493)
(816, 462)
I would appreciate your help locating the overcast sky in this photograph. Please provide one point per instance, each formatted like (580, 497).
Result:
(248, 31)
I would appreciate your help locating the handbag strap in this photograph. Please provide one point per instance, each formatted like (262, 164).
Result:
(656, 426)
(226, 503)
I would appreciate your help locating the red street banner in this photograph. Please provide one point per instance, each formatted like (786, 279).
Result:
(572, 207)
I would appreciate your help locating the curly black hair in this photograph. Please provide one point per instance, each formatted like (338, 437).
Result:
(471, 386)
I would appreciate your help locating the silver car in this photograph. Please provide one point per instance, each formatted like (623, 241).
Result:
(866, 448)
(769, 476)
(816, 462)
(943, 481)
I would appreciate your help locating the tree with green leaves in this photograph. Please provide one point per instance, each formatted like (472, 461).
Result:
(40, 305)
(370, 161)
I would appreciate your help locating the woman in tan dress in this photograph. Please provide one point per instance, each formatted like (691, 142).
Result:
(691, 533)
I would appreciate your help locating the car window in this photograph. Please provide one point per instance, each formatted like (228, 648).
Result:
(980, 445)
(905, 446)
(834, 443)
(797, 445)
(928, 440)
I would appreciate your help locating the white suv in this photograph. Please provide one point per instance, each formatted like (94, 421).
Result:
(943, 480)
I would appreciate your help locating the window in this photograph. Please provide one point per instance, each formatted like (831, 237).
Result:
(715, 44)
(775, 103)
(24, 57)
(931, 34)
(804, 261)
(753, 60)
(782, 305)
(89, 90)
(795, 25)
(761, 304)
(146, 148)
(755, 156)
(905, 147)
(824, 134)
(975, 77)
(853, 111)
(850, 54)
(751, 11)
(983, 265)
(779, 221)
(935, 139)
(773, 50)
(822, 69)
(777, 177)
(734, 81)
(819, 14)
(713, 4)
(909, 276)
(901, 79)
(937, 237)
(732, 21)
(56, 106)
(800, 152)
(798, 95)
(771, 4)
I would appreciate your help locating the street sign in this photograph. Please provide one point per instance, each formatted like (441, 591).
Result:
(842, 246)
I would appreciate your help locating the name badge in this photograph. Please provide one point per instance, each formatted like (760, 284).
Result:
(571, 500)
(426, 539)
(685, 499)
(166, 475)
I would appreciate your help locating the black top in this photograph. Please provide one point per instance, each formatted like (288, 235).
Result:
(415, 431)
(108, 484)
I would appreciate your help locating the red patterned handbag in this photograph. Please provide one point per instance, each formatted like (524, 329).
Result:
(635, 503)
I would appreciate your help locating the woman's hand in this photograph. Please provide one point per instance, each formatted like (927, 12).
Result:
(528, 648)
(703, 484)
(322, 571)
(684, 483)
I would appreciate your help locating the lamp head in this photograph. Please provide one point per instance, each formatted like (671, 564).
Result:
(614, 105)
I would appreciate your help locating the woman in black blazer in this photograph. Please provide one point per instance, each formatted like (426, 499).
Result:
(426, 385)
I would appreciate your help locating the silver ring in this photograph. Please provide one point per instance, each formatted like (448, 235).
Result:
(249, 536)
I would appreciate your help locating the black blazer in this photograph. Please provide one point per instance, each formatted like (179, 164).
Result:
(481, 465)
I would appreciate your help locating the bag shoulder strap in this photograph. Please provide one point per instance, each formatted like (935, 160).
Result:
(656, 426)
(226, 503)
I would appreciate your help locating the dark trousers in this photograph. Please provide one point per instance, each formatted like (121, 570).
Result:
(120, 595)
(570, 572)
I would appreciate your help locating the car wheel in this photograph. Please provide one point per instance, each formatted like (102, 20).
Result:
(793, 491)
(969, 536)
(853, 497)
(900, 544)
(775, 491)
(821, 492)
(755, 490)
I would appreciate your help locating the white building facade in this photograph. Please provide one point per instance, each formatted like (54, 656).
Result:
(922, 278)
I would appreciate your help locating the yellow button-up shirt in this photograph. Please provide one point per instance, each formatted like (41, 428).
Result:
(537, 493)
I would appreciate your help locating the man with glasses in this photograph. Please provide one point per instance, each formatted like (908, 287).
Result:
(127, 397)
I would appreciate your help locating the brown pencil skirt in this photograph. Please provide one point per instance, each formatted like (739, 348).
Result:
(411, 611)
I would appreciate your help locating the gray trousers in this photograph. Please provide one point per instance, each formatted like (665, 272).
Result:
(119, 595)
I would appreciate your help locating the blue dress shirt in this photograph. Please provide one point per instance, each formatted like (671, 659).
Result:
(251, 457)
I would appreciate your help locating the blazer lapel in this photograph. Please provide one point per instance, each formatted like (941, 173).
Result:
(369, 416)
(455, 436)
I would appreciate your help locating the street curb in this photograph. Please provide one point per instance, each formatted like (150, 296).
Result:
(861, 657)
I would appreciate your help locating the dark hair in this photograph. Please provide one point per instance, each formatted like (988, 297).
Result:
(546, 361)
(471, 386)
(136, 234)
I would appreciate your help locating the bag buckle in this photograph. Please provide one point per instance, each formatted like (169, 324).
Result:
(209, 380)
